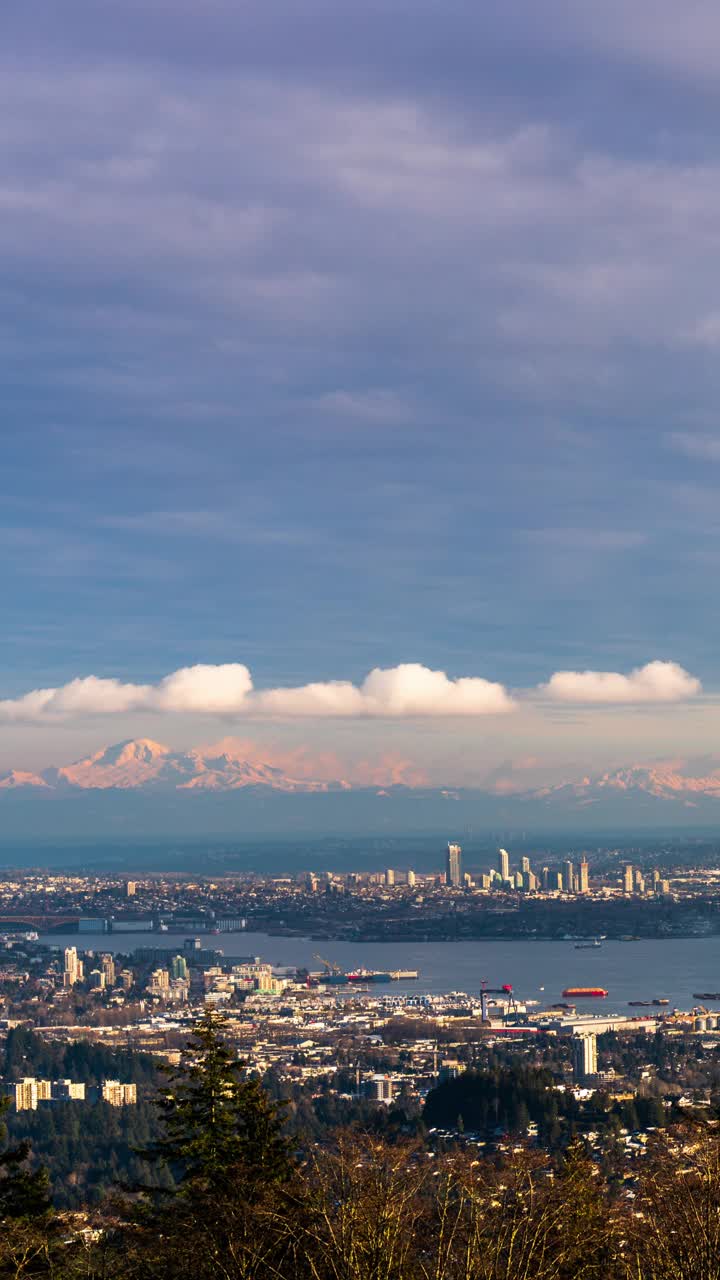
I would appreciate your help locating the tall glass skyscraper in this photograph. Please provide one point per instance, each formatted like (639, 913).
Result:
(453, 865)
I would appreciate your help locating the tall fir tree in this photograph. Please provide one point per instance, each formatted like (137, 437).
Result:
(222, 1140)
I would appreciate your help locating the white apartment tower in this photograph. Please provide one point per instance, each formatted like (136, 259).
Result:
(584, 1051)
(73, 968)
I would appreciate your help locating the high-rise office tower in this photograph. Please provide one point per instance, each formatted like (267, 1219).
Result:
(525, 865)
(628, 878)
(453, 866)
(545, 879)
(584, 1051)
(411, 879)
(390, 878)
(584, 877)
(504, 864)
(569, 877)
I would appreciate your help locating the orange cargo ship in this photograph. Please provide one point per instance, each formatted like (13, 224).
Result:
(584, 991)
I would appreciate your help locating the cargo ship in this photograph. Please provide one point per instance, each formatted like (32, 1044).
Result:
(706, 995)
(600, 992)
(338, 977)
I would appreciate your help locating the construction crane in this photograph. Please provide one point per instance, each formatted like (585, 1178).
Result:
(327, 965)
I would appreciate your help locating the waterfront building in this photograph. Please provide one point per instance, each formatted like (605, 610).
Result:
(504, 864)
(453, 866)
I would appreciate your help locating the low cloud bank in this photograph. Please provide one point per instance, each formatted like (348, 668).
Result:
(403, 692)
(227, 690)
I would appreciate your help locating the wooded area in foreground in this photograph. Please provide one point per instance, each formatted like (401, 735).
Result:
(244, 1203)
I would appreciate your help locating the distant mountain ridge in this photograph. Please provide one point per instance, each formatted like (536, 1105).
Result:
(142, 764)
(141, 786)
(665, 781)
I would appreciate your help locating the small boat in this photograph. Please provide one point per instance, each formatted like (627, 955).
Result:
(588, 946)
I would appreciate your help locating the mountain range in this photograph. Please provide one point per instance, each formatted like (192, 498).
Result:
(141, 787)
(147, 766)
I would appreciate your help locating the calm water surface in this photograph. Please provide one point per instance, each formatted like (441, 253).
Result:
(629, 970)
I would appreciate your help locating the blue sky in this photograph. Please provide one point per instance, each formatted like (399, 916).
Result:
(336, 337)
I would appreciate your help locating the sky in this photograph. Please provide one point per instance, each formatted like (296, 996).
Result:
(342, 340)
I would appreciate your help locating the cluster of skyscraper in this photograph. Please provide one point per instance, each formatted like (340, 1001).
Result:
(636, 883)
(103, 976)
(569, 880)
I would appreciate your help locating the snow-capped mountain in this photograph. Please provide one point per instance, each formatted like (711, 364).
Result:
(141, 786)
(142, 764)
(670, 780)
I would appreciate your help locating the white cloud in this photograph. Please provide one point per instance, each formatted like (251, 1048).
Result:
(695, 445)
(655, 682)
(89, 695)
(227, 689)
(407, 690)
(402, 692)
(210, 690)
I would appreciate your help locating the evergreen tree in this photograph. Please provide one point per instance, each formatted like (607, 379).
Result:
(222, 1141)
(23, 1191)
(27, 1227)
